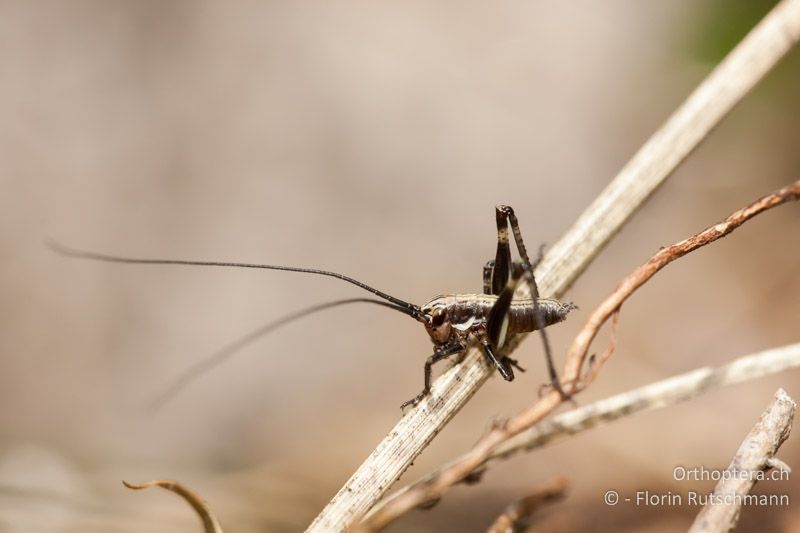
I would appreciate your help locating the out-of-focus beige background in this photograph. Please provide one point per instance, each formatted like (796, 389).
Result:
(374, 140)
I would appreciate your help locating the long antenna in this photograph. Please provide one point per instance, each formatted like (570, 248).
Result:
(407, 308)
(215, 359)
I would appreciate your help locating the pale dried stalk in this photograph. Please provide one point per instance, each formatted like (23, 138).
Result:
(755, 455)
(210, 523)
(651, 165)
(432, 488)
(670, 391)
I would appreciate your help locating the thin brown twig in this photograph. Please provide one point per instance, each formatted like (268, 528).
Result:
(580, 346)
(516, 516)
(670, 391)
(431, 489)
(597, 364)
(210, 522)
(756, 454)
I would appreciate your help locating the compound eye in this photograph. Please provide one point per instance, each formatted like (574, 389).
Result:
(438, 317)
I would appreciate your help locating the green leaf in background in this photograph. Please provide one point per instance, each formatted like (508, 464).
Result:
(723, 23)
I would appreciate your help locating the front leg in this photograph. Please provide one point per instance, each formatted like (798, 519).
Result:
(440, 353)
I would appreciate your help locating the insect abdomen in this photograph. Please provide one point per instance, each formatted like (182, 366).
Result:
(521, 318)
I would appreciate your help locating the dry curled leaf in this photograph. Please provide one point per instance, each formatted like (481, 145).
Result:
(210, 523)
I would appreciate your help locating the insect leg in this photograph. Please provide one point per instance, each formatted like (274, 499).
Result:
(440, 353)
(514, 363)
(502, 259)
(497, 321)
(507, 212)
(488, 269)
(503, 364)
(497, 271)
(494, 336)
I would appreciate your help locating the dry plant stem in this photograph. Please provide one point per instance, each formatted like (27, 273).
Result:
(649, 167)
(515, 517)
(683, 131)
(754, 455)
(656, 395)
(432, 488)
(210, 523)
(580, 346)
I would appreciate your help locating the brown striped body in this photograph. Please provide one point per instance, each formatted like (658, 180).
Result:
(465, 312)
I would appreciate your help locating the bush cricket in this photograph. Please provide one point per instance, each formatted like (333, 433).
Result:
(454, 322)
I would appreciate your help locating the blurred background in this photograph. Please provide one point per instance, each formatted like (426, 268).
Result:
(374, 140)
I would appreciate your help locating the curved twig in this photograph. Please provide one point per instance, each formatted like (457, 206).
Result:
(670, 391)
(210, 523)
(516, 516)
(432, 489)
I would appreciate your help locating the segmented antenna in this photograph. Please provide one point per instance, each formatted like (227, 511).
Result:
(407, 308)
(201, 367)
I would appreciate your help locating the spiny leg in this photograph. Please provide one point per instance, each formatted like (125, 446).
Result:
(440, 353)
(502, 260)
(497, 271)
(497, 326)
(507, 212)
(488, 270)
(497, 321)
